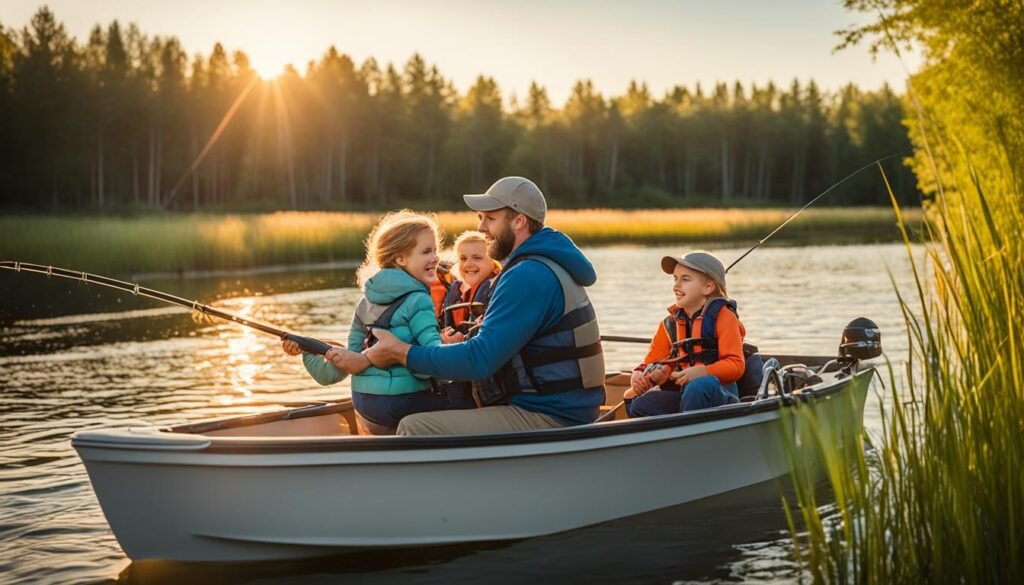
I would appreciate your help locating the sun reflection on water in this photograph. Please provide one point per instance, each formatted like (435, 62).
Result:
(246, 353)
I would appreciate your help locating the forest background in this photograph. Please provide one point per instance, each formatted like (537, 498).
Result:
(123, 121)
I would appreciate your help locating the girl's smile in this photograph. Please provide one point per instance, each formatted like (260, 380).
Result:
(421, 262)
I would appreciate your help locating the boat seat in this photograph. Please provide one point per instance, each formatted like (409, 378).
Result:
(373, 428)
(620, 414)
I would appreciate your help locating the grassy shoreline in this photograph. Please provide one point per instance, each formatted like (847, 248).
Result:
(181, 243)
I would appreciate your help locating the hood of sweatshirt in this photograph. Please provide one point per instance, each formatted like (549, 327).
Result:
(389, 284)
(557, 246)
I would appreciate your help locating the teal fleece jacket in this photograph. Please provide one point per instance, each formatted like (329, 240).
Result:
(414, 322)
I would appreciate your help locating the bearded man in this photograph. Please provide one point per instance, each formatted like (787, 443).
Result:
(536, 361)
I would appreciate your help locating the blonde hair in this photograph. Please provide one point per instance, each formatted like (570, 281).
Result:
(473, 236)
(468, 236)
(393, 236)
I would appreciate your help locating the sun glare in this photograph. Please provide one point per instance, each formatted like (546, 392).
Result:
(267, 67)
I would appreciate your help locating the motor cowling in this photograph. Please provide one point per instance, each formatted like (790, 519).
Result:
(862, 340)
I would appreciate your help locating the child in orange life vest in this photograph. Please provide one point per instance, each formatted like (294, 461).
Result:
(476, 271)
(699, 278)
(442, 283)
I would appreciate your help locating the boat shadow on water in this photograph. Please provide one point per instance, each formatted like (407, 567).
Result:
(739, 535)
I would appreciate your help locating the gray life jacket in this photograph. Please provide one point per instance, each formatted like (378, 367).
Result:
(372, 316)
(566, 356)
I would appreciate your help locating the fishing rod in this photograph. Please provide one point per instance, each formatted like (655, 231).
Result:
(810, 203)
(308, 344)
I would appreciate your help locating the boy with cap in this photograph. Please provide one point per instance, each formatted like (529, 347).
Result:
(711, 361)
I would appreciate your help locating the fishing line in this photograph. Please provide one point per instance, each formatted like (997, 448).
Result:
(307, 344)
(810, 203)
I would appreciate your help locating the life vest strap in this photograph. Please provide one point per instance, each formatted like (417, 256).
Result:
(560, 354)
(557, 386)
(556, 345)
(383, 321)
(708, 340)
(572, 320)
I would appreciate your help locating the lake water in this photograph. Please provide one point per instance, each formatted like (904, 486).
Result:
(76, 357)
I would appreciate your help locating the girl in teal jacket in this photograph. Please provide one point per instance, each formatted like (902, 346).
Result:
(401, 262)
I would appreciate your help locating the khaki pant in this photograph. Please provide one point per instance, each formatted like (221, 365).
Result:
(492, 419)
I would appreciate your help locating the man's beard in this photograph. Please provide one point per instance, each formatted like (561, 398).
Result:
(502, 245)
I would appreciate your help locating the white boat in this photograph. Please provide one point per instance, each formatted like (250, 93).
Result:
(296, 483)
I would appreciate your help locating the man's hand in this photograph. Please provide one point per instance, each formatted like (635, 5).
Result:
(450, 335)
(352, 362)
(388, 350)
(689, 374)
(336, 355)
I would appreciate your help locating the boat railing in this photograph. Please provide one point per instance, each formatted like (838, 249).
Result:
(305, 409)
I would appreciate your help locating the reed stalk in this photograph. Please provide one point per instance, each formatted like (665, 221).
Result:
(938, 495)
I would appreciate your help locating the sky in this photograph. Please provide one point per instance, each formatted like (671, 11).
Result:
(552, 42)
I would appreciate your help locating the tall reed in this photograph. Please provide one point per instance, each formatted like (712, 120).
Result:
(940, 496)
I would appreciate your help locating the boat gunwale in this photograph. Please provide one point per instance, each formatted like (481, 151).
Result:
(241, 445)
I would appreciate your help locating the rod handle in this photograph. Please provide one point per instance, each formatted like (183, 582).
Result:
(308, 344)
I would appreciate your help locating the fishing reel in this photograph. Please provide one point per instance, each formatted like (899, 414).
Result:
(862, 340)
(684, 348)
(651, 367)
(682, 355)
(675, 360)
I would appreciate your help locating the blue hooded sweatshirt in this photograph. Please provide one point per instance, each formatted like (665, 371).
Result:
(527, 300)
(414, 322)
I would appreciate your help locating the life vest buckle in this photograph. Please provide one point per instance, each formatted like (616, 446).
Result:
(685, 348)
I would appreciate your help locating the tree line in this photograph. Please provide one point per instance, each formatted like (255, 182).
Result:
(125, 120)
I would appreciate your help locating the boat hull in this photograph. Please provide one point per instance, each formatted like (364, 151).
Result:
(194, 497)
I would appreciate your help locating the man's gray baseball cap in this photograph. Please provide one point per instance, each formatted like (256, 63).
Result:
(704, 262)
(518, 193)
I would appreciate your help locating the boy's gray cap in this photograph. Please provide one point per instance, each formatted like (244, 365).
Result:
(704, 262)
(518, 193)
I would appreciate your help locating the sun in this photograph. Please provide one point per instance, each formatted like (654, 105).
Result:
(268, 67)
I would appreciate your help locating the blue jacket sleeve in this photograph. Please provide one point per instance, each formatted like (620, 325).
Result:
(527, 300)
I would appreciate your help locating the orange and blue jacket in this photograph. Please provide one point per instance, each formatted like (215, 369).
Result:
(467, 295)
(729, 332)
(438, 290)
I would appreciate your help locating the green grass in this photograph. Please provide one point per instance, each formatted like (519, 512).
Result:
(940, 497)
(174, 243)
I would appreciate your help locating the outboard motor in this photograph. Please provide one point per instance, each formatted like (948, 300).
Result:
(862, 340)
